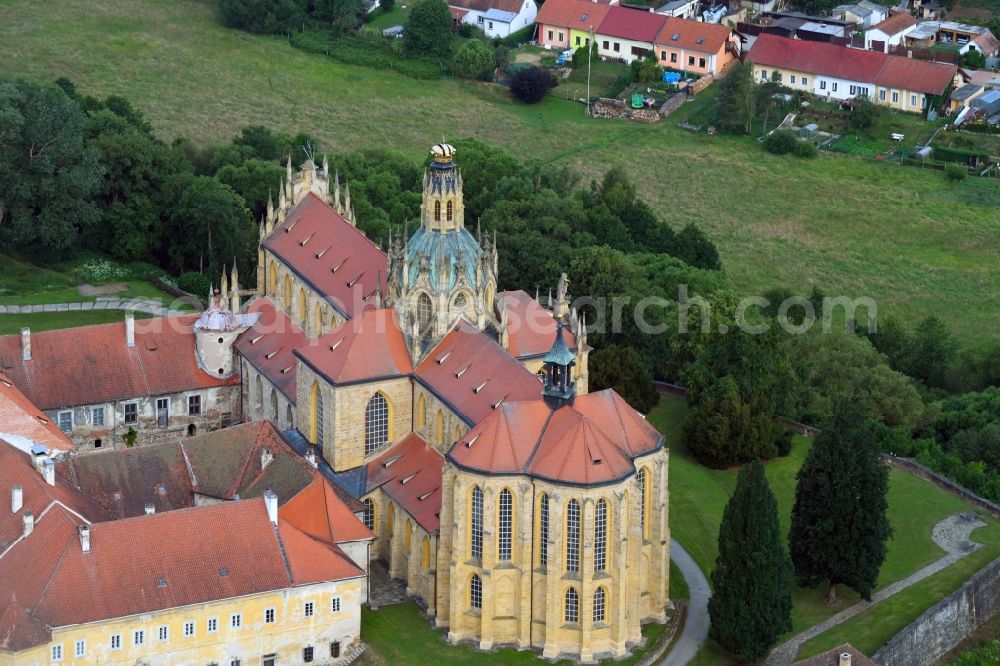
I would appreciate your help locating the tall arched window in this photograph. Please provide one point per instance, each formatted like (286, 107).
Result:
(289, 417)
(437, 211)
(476, 523)
(390, 518)
(505, 519)
(543, 530)
(287, 295)
(449, 211)
(573, 536)
(601, 536)
(369, 514)
(425, 312)
(476, 592)
(376, 423)
(456, 434)
(425, 554)
(259, 397)
(439, 427)
(272, 279)
(421, 411)
(303, 310)
(643, 500)
(274, 406)
(316, 409)
(319, 320)
(572, 613)
(600, 600)
(407, 529)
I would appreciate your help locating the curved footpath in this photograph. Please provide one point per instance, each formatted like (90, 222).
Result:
(148, 306)
(695, 629)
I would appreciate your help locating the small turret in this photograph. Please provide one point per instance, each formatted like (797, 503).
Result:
(559, 387)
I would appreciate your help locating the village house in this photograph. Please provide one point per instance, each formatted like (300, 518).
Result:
(863, 14)
(23, 425)
(687, 9)
(962, 37)
(841, 73)
(890, 32)
(497, 18)
(697, 47)
(565, 24)
(628, 34)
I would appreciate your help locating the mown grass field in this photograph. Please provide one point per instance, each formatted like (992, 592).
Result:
(698, 497)
(905, 237)
(47, 321)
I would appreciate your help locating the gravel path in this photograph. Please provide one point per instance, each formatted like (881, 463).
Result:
(146, 305)
(951, 534)
(695, 629)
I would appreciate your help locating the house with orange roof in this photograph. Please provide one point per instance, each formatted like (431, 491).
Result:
(890, 32)
(628, 34)
(24, 425)
(696, 46)
(568, 24)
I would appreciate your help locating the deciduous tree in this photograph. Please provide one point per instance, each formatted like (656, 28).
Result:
(429, 29)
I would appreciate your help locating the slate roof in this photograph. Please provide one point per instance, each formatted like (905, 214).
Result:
(329, 253)
(367, 347)
(23, 424)
(592, 441)
(896, 23)
(89, 365)
(632, 24)
(513, 6)
(572, 14)
(473, 374)
(530, 326)
(268, 345)
(693, 35)
(410, 474)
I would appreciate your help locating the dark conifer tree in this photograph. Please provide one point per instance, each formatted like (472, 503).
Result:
(751, 605)
(839, 523)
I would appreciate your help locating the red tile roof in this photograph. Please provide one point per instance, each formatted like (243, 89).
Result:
(367, 347)
(531, 327)
(410, 474)
(322, 514)
(91, 364)
(633, 24)
(18, 630)
(269, 343)
(473, 374)
(835, 61)
(592, 441)
(572, 14)
(21, 420)
(314, 561)
(988, 42)
(712, 36)
(896, 23)
(331, 255)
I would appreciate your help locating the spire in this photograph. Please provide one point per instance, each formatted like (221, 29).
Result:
(347, 197)
(336, 191)
(326, 168)
(234, 294)
(224, 288)
(559, 387)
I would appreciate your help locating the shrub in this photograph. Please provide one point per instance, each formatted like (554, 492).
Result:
(429, 28)
(474, 60)
(531, 84)
(780, 142)
(261, 16)
(194, 283)
(954, 172)
(101, 271)
(804, 149)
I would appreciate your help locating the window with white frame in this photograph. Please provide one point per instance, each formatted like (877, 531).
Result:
(476, 530)
(476, 592)
(309, 609)
(572, 610)
(701, 62)
(881, 95)
(895, 97)
(97, 417)
(268, 616)
(131, 413)
(335, 604)
(57, 652)
(833, 86)
(673, 57)
(550, 36)
(162, 633)
(491, 25)
(599, 602)
(80, 648)
(307, 652)
(213, 625)
(543, 531)
(822, 85)
(139, 637)
(235, 662)
(505, 522)
(805, 80)
(65, 420)
(913, 100)
(369, 514)
(763, 75)
(376, 423)
(194, 405)
(792, 79)
(116, 641)
(573, 536)
(641, 478)
(236, 620)
(162, 412)
(480, 19)
(188, 629)
(601, 536)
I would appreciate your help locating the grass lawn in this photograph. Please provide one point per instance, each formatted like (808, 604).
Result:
(401, 636)
(395, 16)
(903, 236)
(47, 321)
(606, 80)
(698, 497)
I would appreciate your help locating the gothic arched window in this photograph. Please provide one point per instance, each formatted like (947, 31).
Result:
(369, 514)
(439, 428)
(476, 592)
(643, 500)
(421, 411)
(505, 520)
(437, 211)
(259, 398)
(274, 406)
(425, 554)
(449, 211)
(425, 312)
(316, 409)
(460, 301)
(376, 423)
(601, 536)
(543, 530)
(476, 523)
(572, 605)
(573, 536)
(600, 601)
(407, 529)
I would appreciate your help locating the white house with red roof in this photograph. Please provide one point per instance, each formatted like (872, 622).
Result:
(497, 18)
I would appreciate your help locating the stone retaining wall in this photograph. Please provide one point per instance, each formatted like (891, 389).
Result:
(944, 625)
(944, 482)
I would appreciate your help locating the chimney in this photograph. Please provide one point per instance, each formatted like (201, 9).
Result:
(49, 472)
(129, 329)
(25, 343)
(265, 458)
(16, 499)
(311, 456)
(29, 523)
(150, 508)
(39, 454)
(84, 531)
(271, 502)
(845, 659)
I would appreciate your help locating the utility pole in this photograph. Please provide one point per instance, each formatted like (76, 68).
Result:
(590, 54)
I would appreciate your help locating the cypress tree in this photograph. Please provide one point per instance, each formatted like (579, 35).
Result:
(751, 603)
(839, 522)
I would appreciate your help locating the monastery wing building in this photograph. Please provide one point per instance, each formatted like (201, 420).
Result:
(519, 509)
